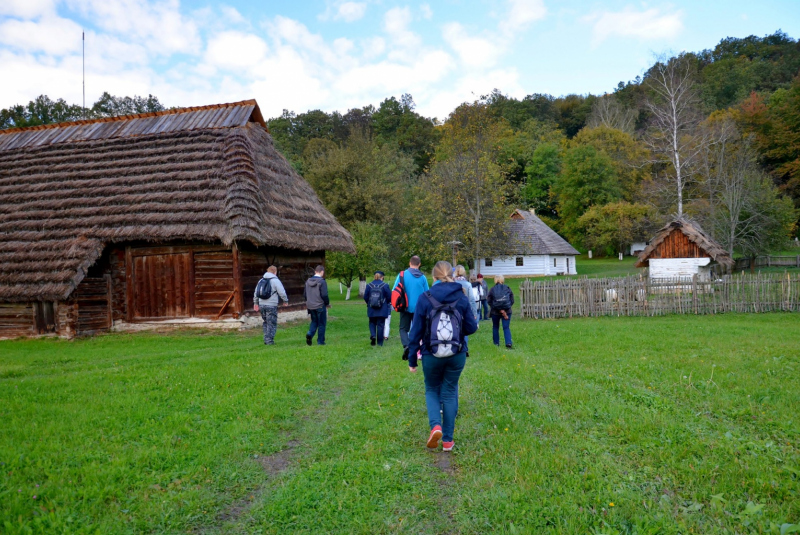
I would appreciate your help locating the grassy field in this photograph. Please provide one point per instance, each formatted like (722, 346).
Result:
(615, 425)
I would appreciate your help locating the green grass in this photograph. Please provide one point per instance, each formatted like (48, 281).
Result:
(680, 422)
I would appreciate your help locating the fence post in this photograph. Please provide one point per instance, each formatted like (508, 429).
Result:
(694, 292)
(769, 260)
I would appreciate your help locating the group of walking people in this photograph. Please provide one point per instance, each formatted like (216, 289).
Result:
(435, 324)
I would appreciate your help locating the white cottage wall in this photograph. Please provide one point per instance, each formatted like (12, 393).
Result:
(532, 265)
(668, 268)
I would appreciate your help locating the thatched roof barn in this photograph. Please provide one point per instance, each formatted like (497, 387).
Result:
(85, 198)
(682, 249)
(533, 249)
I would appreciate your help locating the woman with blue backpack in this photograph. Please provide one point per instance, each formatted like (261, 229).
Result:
(378, 297)
(501, 299)
(442, 320)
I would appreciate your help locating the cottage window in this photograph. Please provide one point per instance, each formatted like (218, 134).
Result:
(520, 261)
(554, 262)
(488, 262)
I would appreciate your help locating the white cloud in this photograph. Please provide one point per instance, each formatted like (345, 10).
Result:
(427, 12)
(646, 25)
(235, 51)
(232, 15)
(27, 8)
(474, 51)
(50, 35)
(396, 23)
(522, 13)
(350, 11)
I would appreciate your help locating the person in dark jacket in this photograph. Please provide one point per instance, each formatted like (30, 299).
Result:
(484, 306)
(441, 374)
(316, 296)
(378, 297)
(268, 308)
(501, 299)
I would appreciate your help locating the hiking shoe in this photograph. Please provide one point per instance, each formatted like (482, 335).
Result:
(372, 340)
(308, 339)
(508, 346)
(448, 446)
(405, 353)
(436, 435)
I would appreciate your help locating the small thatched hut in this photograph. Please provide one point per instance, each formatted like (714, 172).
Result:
(533, 249)
(681, 249)
(157, 216)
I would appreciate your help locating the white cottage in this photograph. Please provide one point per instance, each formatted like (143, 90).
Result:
(534, 249)
(682, 249)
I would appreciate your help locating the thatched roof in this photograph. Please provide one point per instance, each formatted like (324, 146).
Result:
(531, 236)
(695, 234)
(208, 174)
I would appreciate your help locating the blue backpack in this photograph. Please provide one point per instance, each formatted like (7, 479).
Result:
(445, 328)
(264, 289)
(376, 299)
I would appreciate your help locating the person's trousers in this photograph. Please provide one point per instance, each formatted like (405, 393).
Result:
(485, 309)
(441, 390)
(496, 329)
(376, 326)
(270, 317)
(319, 320)
(386, 328)
(405, 326)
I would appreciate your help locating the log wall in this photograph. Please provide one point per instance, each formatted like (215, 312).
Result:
(16, 319)
(677, 245)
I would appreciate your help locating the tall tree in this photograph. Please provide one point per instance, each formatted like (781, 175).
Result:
(372, 253)
(744, 210)
(673, 135)
(464, 195)
(613, 227)
(609, 113)
(396, 121)
(587, 179)
(357, 179)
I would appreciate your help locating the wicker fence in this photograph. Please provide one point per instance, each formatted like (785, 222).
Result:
(639, 296)
(767, 261)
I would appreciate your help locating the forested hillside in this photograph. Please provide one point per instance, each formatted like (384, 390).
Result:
(712, 135)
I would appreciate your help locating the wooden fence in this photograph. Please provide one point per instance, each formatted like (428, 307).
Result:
(767, 261)
(640, 296)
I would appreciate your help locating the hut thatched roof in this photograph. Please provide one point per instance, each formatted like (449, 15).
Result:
(695, 234)
(207, 174)
(531, 236)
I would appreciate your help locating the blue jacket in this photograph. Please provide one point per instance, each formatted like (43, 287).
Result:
(386, 309)
(446, 292)
(416, 284)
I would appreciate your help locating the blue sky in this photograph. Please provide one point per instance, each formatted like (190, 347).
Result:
(338, 54)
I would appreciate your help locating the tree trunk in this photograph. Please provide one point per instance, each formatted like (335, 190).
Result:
(347, 297)
(362, 287)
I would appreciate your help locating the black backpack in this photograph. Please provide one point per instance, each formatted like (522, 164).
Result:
(376, 299)
(444, 321)
(502, 298)
(264, 289)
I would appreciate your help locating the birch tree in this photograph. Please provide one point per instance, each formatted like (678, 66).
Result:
(673, 135)
(608, 112)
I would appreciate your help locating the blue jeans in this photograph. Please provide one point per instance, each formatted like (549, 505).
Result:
(485, 310)
(376, 327)
(441, 390)
(319, 319)
(496, 329)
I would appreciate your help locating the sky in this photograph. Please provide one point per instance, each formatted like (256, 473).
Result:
(339, 54)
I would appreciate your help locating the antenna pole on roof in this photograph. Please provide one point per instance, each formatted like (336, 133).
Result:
(83, 53)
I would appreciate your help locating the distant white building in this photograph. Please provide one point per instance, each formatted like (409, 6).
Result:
(534, 249)
(638, 247)
(683, 249)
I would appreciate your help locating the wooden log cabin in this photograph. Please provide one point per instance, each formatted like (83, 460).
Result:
(152, 217)
(682, 249)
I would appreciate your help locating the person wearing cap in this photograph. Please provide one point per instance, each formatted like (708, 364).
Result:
(378, 297)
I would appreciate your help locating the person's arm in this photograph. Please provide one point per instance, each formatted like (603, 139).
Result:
(490, 297)
(396, 281)
(512, 296)
(323, 292)
(255, 298)
(387, 296)
(425, 283)
(281, 290)
(470, 322)
(367, 290)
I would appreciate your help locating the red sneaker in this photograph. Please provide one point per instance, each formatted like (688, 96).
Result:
(448, 446)
(436, 435)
